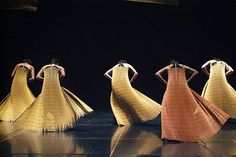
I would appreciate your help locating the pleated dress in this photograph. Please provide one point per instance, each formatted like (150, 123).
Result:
(20, 97)
(186, 116)
(55, 109)
(129, 105)
(218, 91)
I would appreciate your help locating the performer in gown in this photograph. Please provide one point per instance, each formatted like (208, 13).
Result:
(186, 116)
(217, 89)
(129, 105)
(20, 97)
(56, 108)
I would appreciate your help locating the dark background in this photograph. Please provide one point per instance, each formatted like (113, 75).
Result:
(90, 36)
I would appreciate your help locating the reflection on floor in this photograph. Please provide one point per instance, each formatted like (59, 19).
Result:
(97, 136)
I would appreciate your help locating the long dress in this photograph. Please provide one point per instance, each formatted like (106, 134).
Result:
(186, 116)
(218, 91)
(55, 109)
(129, 105)
(20, 97)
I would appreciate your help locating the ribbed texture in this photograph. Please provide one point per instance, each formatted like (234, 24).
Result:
(129, 105)
(20, 97)
(55, 109)
(218, 91)
(186, 116)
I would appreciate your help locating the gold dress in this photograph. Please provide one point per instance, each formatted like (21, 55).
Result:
(20, 97)
(218, 91)
(55, 109)
(129, 105)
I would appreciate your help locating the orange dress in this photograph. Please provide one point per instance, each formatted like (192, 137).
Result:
(186, 116)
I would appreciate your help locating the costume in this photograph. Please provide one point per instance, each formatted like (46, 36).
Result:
(218, 91)
(55, 109)
(20, 97)
(129, 105)
(186, 116)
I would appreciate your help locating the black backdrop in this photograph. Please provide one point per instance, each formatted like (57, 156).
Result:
(90, 36)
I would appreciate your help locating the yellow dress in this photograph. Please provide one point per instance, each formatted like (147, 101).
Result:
(218, 91)
(55, 109)
(20, 97)
(129, 105)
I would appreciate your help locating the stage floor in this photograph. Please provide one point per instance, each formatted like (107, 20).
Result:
(97, 136)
